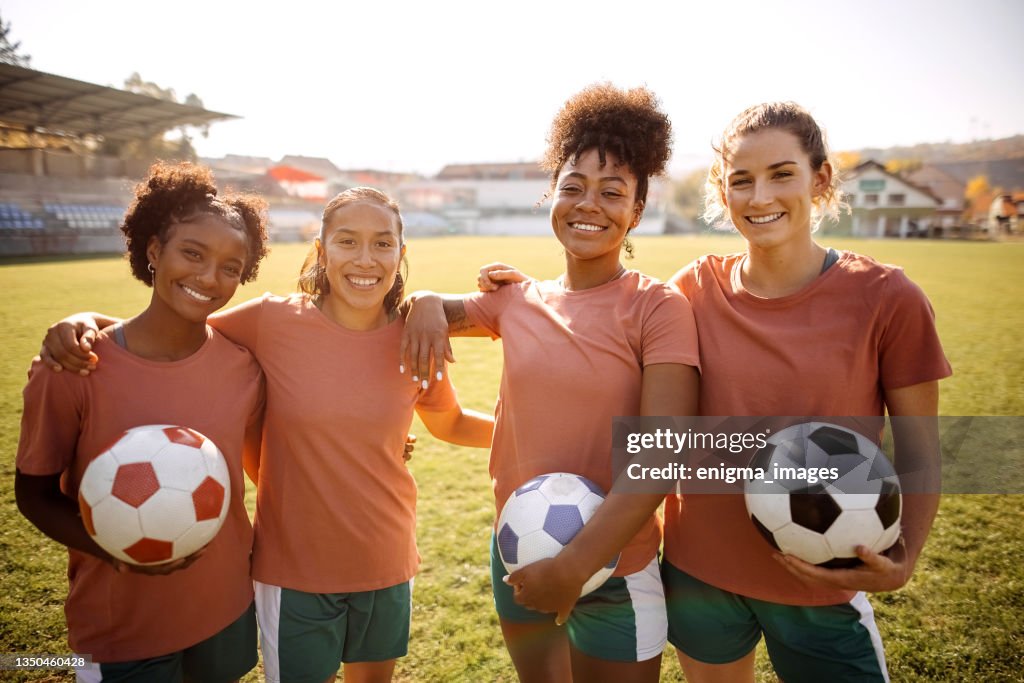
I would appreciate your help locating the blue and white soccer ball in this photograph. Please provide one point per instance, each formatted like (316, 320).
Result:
(822, 521)
(543, 515)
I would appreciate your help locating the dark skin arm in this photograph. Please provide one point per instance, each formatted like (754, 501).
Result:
(41, 501)
(554, 585)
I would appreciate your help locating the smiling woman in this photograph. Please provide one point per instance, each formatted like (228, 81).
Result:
(352, 268)
(599, 341)
(335, 545)
(790, 327)
(193, 247)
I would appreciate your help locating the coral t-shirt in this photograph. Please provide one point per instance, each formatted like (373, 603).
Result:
(336, 504)
(573, 361)
(69, 420)
(833, 348)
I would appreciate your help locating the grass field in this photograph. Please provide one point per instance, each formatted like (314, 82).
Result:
(960, 619)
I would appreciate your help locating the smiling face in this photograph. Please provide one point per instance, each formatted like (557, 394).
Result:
(360, 253)
(769, 188)
(198, 268)
(595, 206)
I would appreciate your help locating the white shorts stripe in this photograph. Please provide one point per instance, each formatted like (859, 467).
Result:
(90, 673)
(647, 594)
(867, 620)
(268, 615)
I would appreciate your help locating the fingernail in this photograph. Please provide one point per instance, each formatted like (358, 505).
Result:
(401, 368)
(505, 578)
(415, 378)
(439, 375)
(425, 384)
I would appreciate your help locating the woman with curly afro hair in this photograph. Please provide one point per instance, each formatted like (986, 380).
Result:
(597, 342)
(193, 246)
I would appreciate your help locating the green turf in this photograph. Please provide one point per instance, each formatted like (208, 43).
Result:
(960, 619)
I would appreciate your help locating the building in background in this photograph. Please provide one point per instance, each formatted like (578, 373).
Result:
(884, 204)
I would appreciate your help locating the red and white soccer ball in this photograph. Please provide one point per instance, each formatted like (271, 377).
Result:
(160, 493)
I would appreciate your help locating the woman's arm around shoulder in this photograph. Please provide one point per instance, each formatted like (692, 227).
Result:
(459, 426)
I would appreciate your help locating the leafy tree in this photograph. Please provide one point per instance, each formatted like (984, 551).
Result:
(900, 166)
(686, 198)
(175, 144)
(976, 187)
(847, 160)
(8, 50)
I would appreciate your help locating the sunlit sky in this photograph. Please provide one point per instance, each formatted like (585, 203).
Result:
(412, 86)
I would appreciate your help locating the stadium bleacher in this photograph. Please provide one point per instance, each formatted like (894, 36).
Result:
(13, 217)
(86, 216)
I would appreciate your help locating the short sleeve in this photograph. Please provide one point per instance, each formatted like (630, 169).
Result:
(484, 309)
(51, 421)
(241, 323)
(669, 330)
(686, 279)
(438, 397)
(909, 349)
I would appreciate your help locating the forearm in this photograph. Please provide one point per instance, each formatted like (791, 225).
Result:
(454, 308)
(473, 428)
(54, 514)
(613, 525)
(460, 426)
(919, 510)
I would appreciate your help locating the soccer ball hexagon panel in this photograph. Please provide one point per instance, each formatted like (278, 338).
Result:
(159, 493)
(543, 515)
(823, 522)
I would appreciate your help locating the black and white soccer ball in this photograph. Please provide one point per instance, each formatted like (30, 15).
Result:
(823, 521)
(543, 515)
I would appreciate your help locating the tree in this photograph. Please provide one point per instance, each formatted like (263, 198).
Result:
(846, 160)
(977, 198)
(687, 198)
(901, 166)
(8, 50)
(174, 144)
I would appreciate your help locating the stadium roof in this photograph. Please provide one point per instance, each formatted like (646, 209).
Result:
(37, 100)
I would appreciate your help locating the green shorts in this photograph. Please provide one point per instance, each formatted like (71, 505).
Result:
(224, 656)
(623, 620)
(306, 636)
(830, 643)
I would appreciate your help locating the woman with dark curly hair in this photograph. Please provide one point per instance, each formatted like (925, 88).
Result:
(335, 546)
(599, 341)
(193, 246)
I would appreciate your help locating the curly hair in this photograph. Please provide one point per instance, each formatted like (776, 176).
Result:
(627, 123)
(312, 277)
(794, 119)
(180, 193)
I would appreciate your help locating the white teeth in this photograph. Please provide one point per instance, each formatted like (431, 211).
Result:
(764, 219)
(196, 295)
(363, 281)
(586, 227)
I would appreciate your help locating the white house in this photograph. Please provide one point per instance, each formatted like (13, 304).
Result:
(884, 204)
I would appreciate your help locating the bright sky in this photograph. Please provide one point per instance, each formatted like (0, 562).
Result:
(416, 85)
